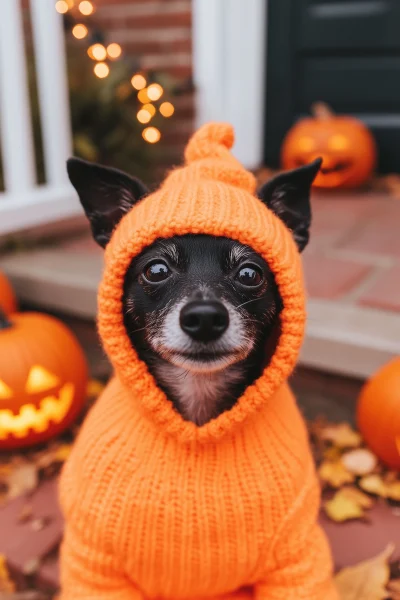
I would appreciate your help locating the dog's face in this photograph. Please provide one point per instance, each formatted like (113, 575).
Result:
(200, 310)
(200, 302)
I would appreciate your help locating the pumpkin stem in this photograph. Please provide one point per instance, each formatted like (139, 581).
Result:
(5, 323)
(322, 111)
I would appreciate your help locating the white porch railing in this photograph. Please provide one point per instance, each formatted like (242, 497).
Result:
(24, 203)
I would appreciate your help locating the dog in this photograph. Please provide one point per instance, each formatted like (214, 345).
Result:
(201, 311)
(192, 476)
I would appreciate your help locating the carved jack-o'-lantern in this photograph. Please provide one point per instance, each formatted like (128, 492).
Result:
(344, 143)
(8, 302)
(43, 377)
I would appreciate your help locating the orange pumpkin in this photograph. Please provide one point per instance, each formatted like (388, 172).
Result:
(8, 302)
(346, 146)
(43, 377)
(378, 413)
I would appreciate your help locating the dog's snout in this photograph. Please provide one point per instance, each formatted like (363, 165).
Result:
(204, 321)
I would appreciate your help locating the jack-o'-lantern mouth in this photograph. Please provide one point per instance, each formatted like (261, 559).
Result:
(51, 408)
(336, 168)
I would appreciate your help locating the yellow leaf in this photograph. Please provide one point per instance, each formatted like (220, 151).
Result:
(94, 388)
(6, 585)
(342, 436)
(393, 491)
(334, 473)
(341, 509)
(394, 589)
(373, 484)
(348, 503)
(358, 496)
(62, 452)
(360, 461)
(366, 580)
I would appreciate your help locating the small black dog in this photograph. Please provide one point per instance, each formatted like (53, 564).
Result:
(201, 311)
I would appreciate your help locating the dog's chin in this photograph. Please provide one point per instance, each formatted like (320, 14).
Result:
(204, 362)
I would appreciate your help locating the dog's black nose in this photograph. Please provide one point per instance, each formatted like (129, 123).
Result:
(204, 321)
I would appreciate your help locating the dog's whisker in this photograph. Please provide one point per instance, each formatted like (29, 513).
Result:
(247, 302)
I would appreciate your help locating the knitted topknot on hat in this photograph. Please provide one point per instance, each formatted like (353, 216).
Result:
(208, 157)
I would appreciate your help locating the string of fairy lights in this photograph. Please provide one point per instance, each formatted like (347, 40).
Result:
(103, 55)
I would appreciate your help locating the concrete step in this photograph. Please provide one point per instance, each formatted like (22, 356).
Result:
(341, 338)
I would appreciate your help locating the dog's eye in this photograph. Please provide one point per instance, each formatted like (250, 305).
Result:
(250, 276)
(157, 272)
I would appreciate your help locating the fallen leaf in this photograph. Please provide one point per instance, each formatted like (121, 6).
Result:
(62, 453)
(332, 453)
(348, 503)
(40, 523)
(334, 473)
(31, 566)
(22, 479)
(393, 491)
(394, 589)
(6, 585)
(358, 496)
(373, 484)
(360, 461)
(94, 387)
(25, 514)
(342, 436)
(341, 509)
(366, 580)
(386, 488)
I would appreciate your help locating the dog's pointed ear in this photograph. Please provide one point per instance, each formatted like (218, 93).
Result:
(106, 194)
(288, 196)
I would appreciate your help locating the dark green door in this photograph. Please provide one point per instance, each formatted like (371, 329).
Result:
(343, 52)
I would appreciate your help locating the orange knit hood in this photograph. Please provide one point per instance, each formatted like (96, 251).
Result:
(211, 194)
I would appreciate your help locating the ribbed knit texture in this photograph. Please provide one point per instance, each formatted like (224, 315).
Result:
(157, 507)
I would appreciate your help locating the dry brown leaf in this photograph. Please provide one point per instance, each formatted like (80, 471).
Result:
(394, 589)
(332, 453)
(6, 585)
(334, 473)
(360, 461)
(373, 484)
(22, 479)
(348, 503)
(342, 436)
(366, 580)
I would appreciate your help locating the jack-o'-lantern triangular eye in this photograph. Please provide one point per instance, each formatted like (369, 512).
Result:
(40, 380)
(5, 392)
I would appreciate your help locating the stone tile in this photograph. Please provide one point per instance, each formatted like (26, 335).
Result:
(385, 292)
(355, 541)
(330, 278)
(378, 235)
(335, 216)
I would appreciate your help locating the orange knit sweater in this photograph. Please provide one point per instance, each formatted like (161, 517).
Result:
(157, 507)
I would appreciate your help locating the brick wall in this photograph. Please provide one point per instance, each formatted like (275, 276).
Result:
(159, 33)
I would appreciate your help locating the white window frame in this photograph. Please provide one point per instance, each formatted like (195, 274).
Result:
(229, 47)
(24, 204)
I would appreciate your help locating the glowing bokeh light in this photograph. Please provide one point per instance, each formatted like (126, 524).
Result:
(101, 70)
(167, 109)
(79, 31)
(138, 81)
(151, 135)
(155, 91)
